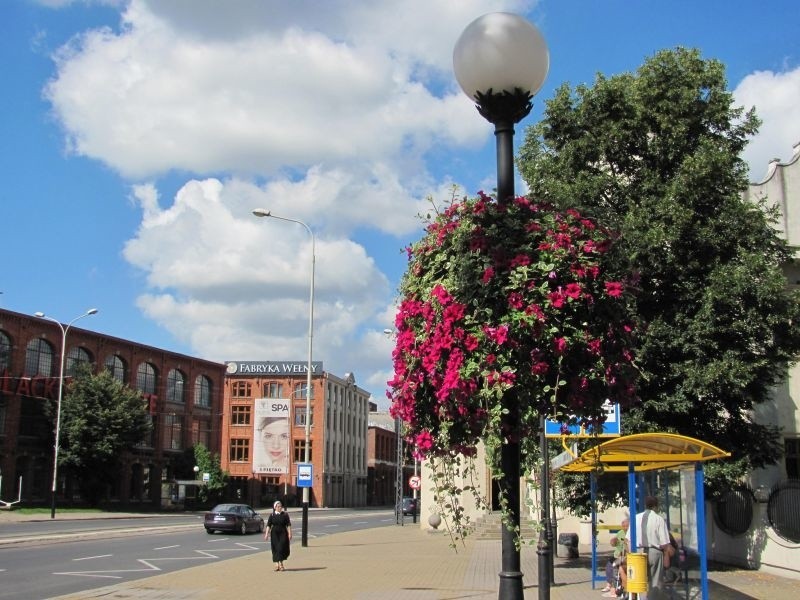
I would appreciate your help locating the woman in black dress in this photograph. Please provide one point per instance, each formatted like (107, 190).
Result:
(279, 533)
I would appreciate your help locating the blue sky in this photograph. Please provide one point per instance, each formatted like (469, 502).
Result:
(136, 137)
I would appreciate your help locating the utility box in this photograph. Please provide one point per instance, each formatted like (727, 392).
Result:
(568, 545)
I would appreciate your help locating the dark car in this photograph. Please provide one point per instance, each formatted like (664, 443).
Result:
(409, 506)
(236, 518)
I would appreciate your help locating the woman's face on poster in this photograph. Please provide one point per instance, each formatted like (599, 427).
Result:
(275, 438)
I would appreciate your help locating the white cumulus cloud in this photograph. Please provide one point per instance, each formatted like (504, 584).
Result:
(775, 97)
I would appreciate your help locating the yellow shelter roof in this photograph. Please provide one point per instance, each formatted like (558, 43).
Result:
(647, 452)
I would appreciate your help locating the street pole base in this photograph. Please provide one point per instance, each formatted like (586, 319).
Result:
(543, 566)
(511, 585)
(304, 536)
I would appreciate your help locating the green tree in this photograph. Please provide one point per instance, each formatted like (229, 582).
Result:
(101, 418)
(210, 463)
(655, 155)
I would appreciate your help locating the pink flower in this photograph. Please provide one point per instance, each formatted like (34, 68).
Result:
(488, 273)
(520, 260)
(556, 299)
(498, 335)
(441, 294)
(613, 288)
(540, 368)
(515, 300)
(573, 290)
(560, 345)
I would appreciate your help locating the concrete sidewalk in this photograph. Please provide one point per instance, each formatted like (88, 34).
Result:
(399, 563)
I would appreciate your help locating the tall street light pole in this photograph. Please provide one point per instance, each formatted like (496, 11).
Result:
(64, 330)
(261, 212)
(501, 61)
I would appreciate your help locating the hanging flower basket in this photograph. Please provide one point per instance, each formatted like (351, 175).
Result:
(508, 298)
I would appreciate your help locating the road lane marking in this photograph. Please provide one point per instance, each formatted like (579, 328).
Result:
(91, 557)
(204, 555)
(167, 547)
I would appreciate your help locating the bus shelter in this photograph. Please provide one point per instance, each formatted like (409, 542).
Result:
(665, 465)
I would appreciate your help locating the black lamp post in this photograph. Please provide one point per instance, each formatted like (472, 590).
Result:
(500, 61)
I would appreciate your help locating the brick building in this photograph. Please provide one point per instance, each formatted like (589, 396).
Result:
(184, 396)
(263, 429)
(382, 460)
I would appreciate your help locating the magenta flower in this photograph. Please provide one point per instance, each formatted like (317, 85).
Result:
(613, 288)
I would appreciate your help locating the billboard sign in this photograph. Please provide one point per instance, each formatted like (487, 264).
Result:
(271, 436)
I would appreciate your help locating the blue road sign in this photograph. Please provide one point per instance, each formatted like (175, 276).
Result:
(305, 475)
(611, 428)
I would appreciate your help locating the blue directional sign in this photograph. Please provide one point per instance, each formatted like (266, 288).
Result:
(305, 475)
(611, 428)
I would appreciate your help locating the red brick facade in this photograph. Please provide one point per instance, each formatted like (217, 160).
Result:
(185, 405)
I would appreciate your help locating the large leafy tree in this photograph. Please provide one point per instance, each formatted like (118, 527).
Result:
(100, 419)
(655, 155)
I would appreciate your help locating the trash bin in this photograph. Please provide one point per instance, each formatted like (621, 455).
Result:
(637, 572)
(568, 545)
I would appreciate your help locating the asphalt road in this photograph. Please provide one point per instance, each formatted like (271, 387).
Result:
(44, 559)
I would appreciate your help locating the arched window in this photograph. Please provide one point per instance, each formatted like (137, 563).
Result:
(116, 366)
(146, 379)
(175, 386)
(39, 358)
(5, 352)
(76, 356)
(202, 391)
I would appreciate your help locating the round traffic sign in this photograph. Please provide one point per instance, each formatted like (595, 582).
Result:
(414, 482)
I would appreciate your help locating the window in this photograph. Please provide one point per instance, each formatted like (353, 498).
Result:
(300, 390)
(202, 391)
(116, 366)
(5, 352)
(146, 380)
(300, 416)
(300, 451)
(201, 432)
(173, 432)
(240, 450)
(39, 358)
(75, 357)
(241, 389)
(273, 389)
(175, 385)
(733, 512)
(240, 414)
(148, 441)
(782, 510)
(792, 453)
